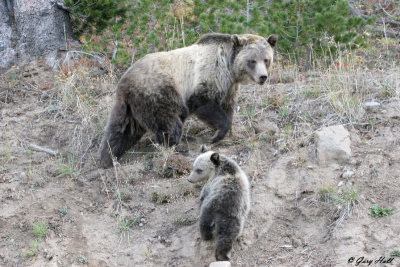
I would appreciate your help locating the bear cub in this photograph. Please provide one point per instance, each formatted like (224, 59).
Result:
(224, 200)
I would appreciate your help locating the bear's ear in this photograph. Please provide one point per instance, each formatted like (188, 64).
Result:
(204, 148)
(215, 159)
(272, 40)
(237, 41)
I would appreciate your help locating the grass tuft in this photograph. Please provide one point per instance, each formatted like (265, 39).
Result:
(379, 212)
(39, 229)
(32, 251)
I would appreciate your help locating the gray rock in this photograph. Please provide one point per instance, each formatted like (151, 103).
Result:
(220, 264)
(371, 106)
(347, 174)
(333, 145)
(30, 30)
(266, 126)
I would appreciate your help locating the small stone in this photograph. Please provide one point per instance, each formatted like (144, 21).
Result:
(340, 184)
(310, 167)
(140, 224)
(266, 126)
(220, 264)
(347, 174)
(371, 106)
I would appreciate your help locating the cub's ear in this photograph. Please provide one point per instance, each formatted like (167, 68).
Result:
(204, 148)
(215, 159)
(237, 41)
(272, 40)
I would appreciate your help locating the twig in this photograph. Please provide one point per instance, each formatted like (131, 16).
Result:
(357, 13)
(133, 56)
(98, 58)
(43, 149)
(384, 10)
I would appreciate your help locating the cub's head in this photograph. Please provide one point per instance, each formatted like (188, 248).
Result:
(204, 166)
(255, 56)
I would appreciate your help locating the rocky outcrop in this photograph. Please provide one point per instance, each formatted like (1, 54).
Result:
(30, 30)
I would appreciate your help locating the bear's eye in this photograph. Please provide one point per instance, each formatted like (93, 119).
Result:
(198, 171)
(251, 63)
(266, 61)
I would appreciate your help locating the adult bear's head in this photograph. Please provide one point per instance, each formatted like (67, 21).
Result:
(254, 56)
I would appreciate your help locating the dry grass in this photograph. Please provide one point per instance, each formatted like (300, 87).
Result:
(344, 202)
(83, 102)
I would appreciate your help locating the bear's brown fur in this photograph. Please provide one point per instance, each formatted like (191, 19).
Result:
(162, 89)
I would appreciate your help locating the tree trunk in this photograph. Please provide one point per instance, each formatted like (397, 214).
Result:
(30, 30)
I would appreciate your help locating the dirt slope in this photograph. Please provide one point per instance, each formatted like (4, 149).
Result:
(132, 216)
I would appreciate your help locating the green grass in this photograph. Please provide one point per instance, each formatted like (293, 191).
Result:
(32, 251)
(395, 253)
(39, 229)
(66, 169)
(330, 194)
(63, 211)
(379, 212)
(127, 223)
(83, 260)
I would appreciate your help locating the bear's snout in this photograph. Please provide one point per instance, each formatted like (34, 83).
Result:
(262, 79)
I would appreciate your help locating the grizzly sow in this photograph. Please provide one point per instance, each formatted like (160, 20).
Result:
(162, 89)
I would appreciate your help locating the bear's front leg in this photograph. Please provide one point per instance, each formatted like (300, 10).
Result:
(213, 114)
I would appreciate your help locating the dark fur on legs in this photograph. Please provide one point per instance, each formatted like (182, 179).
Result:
(211, 112)
(206, 224)
(121, 133)
(170, 135)
(227, 230)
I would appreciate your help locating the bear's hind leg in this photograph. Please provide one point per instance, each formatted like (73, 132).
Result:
(121, 133)
(228, 229)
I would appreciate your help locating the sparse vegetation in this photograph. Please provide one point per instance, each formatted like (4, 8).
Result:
(160, 198)
(83, 260)
(32, 251)
(39, 229)
(168, 164)
(380, 212)
(395, 253)
(185, 221)
(63, 211)
(345, 201)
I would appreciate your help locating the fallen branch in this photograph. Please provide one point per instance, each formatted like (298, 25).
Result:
(357, 13)
(390, 34)
(43, 149)
(69, 57)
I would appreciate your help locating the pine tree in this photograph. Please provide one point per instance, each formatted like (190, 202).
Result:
(95, 16)
(144, 26)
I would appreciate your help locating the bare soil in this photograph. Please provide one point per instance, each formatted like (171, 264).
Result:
(131, 215)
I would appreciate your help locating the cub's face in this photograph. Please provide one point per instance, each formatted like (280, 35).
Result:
(203, 168)
(255, 57)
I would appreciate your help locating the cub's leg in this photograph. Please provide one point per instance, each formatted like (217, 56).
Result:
(206, 223)
(227, 229)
